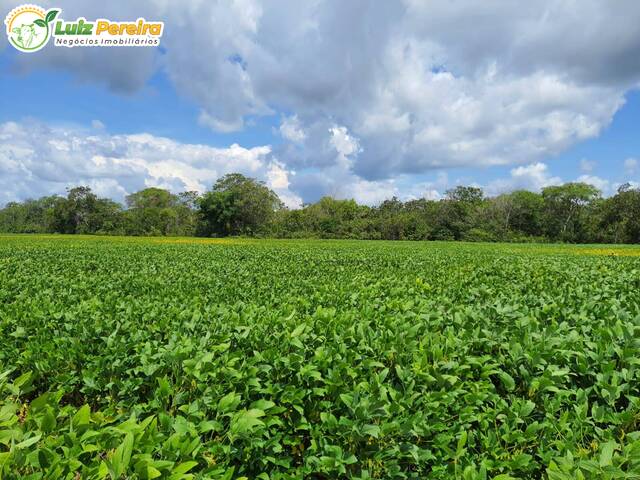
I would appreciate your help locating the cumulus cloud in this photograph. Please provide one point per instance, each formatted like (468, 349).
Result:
(420, 85)
(39, 158)
(290, 129)
(536, 176)
(338, 179)
(370, 92)
(532, 177)
(601, 184)
(631, 165)
(97, 124)
(344, 143)
(277, 178)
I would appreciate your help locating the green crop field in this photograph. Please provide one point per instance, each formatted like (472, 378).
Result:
(184, 358)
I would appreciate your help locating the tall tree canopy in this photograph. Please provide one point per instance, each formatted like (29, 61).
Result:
(565, 209)
(155, 211)
(83, 212)
(238, 205)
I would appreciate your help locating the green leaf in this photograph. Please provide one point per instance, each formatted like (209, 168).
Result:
(245, 421)
(39, 22)
(462, 441)
(507, 380)
(41, 401)
(527, 408)
(122, 456)
(184, 467)
(263, 404)
(153, 472)
(28, 442)
(371, 430)
(82, 416)
(48, 421)
(23, 381)
(298, 330)
(606, 453)
(51, 15)
(229, 402)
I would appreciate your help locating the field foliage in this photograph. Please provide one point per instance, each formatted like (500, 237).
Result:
(223, 359)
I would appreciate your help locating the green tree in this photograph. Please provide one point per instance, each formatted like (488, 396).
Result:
(565, 210)
(30, 216)
(514, 215)
(237, 205)
(151, 211)
(457, 212)
(619, 220)
(83, 212)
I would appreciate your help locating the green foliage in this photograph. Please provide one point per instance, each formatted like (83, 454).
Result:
(619, 217)
(228, 359)
(242, 206)
(30, 216)
(566, 207)
(237, 205)
(83, 212)
(155, 211)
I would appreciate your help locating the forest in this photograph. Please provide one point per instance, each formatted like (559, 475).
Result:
(238, 205)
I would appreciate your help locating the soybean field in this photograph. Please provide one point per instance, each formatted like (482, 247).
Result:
(184, 358)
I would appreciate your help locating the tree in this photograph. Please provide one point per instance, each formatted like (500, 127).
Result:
(619, 220)
(156, 211)
(30, 216)
(565, 207)
(83, 212)
(456, 213)
(150, 212)
(237, 205)
(465, 195)
(515, 214)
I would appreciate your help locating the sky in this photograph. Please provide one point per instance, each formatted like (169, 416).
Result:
(354, 99)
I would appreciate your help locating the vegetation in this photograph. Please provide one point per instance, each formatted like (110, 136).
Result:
(237, 205)
(220, 359)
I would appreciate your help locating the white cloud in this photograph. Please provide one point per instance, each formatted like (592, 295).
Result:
(292, 130)
(97, 125)
(587, 166)
(631, 165)
(601, 184)
(367, 192)
(368, 95)
(532, 177)
(278, 180)
(432, 195)
(220, 125)
(420, 85)
(344, 143)
(535, 177)
(37, 159)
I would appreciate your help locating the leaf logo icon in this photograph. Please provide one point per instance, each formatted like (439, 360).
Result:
(29, 27)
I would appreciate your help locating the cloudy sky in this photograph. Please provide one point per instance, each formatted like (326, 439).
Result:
(355, 99)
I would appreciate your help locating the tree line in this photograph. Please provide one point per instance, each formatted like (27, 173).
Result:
(238, 205)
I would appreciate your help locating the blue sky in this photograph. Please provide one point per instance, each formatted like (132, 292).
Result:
(408, 99)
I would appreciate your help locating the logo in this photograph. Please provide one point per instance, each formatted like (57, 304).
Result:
(30, 27)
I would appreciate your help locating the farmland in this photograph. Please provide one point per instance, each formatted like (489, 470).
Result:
(200, 358)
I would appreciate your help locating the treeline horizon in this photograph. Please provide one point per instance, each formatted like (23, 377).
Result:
(241, 206)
